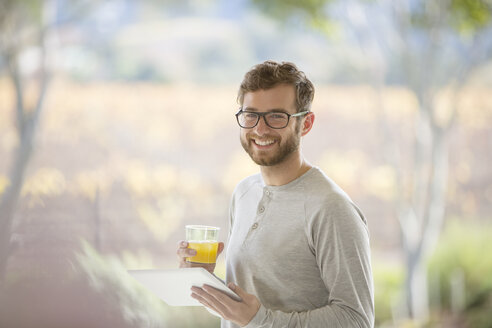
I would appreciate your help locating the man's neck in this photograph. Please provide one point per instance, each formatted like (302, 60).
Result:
(285, 172)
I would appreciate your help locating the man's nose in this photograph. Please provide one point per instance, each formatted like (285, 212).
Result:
(261, 128)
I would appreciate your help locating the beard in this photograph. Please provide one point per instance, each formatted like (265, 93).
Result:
(271, 157)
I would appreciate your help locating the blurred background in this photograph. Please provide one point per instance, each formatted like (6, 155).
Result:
(117, 130)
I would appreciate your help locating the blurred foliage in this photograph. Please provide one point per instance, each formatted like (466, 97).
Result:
(108, 276)
(28, 10)
(463, 249)
(462, 252)
(4, 182)
(20, 18)
(388, 281)
(45, 181)
(470, 15)
(283, 8)
(465, 16)
(292, 12)
(138, 306)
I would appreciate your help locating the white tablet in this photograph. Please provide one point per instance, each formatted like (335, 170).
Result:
(174, 286)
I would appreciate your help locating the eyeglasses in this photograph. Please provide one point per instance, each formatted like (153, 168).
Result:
(275, 120)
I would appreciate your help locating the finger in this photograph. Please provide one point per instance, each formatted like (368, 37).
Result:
(185, 252)
(239, 291)
(211, 299)
(243, 295)
(181, 260)
(205, 302)
(183, 263)
(183, 249)
(209, 267)
(219, 296)
(220, 249)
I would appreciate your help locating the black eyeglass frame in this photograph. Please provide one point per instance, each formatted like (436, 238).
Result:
(259, 115)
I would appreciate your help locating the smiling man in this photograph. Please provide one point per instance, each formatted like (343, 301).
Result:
(269, 143)
(298, 248)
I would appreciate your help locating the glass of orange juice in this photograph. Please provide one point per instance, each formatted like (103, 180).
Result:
(203, 239)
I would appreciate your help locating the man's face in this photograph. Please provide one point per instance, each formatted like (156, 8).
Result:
(267, 146)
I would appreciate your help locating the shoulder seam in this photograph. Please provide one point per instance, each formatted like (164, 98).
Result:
(249, 185)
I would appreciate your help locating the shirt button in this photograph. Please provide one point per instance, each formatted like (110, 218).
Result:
(261, 209)
(255, 226)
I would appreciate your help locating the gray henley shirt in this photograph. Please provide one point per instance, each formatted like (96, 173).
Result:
(303, 250)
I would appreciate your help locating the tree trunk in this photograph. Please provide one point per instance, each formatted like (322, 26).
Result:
(11, 196)
(421, 226)
(27, 122)
(416, 286)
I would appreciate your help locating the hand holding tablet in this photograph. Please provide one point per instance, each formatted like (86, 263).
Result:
(174, 286)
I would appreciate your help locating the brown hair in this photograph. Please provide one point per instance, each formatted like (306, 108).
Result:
(270, 73)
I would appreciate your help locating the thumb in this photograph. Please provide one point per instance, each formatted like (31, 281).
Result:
(220, 248)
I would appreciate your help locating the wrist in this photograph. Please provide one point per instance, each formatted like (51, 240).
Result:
(257, 318)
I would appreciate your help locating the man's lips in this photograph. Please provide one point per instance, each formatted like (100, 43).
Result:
(263, 143)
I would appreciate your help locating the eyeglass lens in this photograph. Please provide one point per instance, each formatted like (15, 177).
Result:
(274, 120)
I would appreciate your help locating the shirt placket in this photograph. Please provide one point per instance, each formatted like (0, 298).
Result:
(260, 214)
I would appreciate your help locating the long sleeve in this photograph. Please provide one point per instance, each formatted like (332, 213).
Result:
(339, 238)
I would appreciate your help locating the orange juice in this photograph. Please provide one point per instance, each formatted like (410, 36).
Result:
(206, 251)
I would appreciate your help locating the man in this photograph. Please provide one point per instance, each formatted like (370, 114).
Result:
(298, 248)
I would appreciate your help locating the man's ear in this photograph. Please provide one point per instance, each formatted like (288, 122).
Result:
(308, 123)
